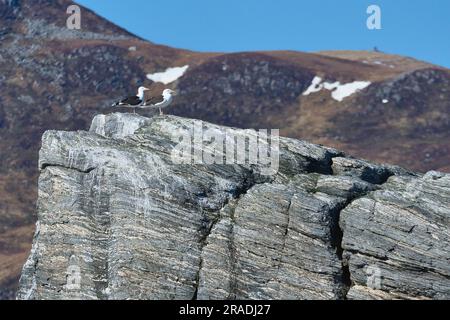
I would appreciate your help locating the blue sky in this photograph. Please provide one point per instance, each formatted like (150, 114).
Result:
(416, 28)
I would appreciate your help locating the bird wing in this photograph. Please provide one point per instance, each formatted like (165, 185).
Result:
(134, 100)
(154, 100)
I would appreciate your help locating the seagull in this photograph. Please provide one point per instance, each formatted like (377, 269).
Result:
(160, 101)
(132, 101)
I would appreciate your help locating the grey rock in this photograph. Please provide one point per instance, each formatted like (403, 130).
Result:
(396, 240)
(119, 219)
(285, 252)
(364, 170)
(344, 186)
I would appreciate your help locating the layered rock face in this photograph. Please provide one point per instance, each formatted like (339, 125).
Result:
(120, 217)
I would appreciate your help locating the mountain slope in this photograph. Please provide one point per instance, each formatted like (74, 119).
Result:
(55, 78)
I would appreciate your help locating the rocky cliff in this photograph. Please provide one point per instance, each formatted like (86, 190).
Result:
(118, 218)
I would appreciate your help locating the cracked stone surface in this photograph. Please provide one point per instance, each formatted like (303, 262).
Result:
(118, 219)
(406, 224)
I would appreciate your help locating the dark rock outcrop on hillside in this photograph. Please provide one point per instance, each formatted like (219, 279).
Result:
(217, 90)
(119, 219)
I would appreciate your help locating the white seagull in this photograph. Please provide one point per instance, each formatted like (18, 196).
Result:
(159, 101)
(132, 101)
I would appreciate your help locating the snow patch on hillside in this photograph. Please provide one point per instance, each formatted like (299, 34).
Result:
(338, 91)
(314, 87)
(168, 76)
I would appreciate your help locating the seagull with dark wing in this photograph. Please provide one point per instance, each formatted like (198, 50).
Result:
(132, 101)
(159, 101)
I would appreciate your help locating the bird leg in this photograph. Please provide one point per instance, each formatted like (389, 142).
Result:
(160, 112)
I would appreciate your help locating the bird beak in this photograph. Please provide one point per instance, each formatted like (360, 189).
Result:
(174, 93)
